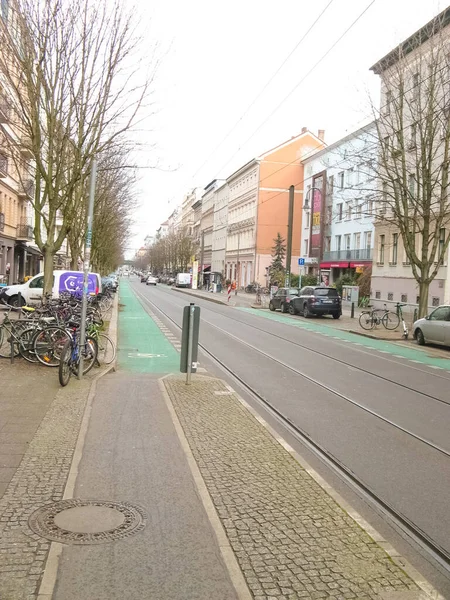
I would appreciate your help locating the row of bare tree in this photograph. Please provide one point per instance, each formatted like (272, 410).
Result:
(169, 254)
(75, 83)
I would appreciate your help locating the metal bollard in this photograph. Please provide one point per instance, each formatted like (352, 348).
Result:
(416, 314)
(352, 313)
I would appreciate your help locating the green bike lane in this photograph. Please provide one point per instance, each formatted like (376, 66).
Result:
(142, 347)
(398, 350)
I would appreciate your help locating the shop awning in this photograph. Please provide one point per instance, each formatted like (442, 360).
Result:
(339, 264)
(360, 264)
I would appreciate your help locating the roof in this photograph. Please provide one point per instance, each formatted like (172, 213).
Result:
(350, 136)
(414, 41)
(294, 138)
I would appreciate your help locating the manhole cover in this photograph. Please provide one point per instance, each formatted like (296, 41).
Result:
(87, 521)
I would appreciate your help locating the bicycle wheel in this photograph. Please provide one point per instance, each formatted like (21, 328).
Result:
(89, 354)
(48, 344)
(25, 342)
(5, 343)
(391, 320)
(65, 366)
(106, 349)
(366, 321)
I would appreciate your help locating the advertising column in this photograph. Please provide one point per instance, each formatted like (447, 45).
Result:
(195, 275)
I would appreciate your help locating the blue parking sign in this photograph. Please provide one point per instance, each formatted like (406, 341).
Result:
(301, 262)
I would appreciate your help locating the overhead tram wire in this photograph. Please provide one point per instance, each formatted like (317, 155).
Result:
(263, 89)
(297, 85)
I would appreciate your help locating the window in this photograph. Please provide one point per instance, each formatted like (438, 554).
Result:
(368, 240)
(404, 298)
(384, 200)
(411, 187)
(339, 212)
(341, 180)
(381, 249)
(305, 247)
(331, 184)
(441, 245)
(440, 314)
(415, 86)
(417, 299)
(357, 241)
(413, 136)
(378, 295)
(387, 106)
(435, 301)
(350, 174)
(338, 242)
(347, 239)
(390, 295)
(348, 211)
(394, 248)
(307, 219)
(358, 213)
(370, 207)
(38, 282)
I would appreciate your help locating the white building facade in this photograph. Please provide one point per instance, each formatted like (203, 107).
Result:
(220, 224)
(240, 256)
(339, 206)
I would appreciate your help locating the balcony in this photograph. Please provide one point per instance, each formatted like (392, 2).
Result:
(24, 231)
(3, 166)
(26, 189)
(5, 110)
(25, 147)
(363, 254)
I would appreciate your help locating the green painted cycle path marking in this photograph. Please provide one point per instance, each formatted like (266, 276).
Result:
(382, 346)
(142, 347)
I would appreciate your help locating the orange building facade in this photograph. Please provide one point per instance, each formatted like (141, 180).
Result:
(258, 208)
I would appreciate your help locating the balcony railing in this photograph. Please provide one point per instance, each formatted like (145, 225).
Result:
(355, 254)
(24, 230)
(3, 166)
(26, 188)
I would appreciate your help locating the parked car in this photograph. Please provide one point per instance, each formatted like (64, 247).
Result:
(282, 299)
(63, 281)
(151, 280)
(317, 300)
(183, 280)
(144, 278)
(435, 328)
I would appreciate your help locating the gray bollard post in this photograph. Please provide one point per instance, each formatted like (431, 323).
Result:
(190, 343)
(352, 313)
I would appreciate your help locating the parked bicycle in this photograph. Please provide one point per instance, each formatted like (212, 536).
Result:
(71, 356)
(369, 319)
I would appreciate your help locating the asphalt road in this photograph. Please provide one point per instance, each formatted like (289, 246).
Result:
(384, 418)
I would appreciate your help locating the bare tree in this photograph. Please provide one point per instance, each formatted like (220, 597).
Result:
(76, 84)
(412, 167)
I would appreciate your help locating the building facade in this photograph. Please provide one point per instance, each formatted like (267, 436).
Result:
(258, 208)
(340, 192)
(414, 91)
(219, 241)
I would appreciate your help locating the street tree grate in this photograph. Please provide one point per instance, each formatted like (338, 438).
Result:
(131, 519)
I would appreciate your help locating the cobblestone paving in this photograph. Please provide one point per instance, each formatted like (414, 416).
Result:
(290, 537)
(39, 480)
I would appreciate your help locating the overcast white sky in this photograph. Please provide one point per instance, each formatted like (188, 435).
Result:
(217, 58)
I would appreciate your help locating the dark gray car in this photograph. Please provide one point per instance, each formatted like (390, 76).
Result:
(317, 300)
(282, 299)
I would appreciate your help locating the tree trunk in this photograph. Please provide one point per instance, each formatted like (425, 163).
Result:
(74, 263)
(424, 288)
(48, 272)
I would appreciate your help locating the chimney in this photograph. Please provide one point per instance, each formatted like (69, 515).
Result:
(304, 129)
(321, 134)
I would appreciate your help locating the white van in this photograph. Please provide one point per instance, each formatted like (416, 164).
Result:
(63, 281)
(183, 280)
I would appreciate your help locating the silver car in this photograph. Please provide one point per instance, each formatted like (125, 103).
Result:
(435, 328)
